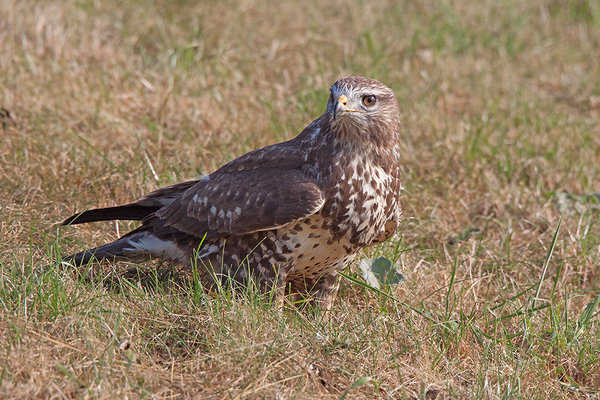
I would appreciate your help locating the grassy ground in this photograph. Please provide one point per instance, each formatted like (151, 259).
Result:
(104, 101)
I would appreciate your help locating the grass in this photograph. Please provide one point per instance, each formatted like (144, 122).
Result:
(105, 101)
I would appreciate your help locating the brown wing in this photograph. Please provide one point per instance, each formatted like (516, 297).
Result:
(264, 189)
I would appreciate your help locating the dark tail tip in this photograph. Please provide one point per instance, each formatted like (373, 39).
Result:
(85, 257)
(126, 212)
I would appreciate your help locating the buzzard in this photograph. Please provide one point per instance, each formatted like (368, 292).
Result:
(287, 215)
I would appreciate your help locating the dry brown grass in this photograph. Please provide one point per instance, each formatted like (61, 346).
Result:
(105, 101)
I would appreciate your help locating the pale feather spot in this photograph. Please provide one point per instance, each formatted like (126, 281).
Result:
(315, 134)
(212, 249)
(155, 247)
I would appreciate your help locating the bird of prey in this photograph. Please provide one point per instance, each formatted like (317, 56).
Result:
(285, 216)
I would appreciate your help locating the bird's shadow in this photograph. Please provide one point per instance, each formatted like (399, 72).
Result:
(155, 279)
(159, 278)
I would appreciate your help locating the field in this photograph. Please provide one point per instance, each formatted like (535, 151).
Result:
(102, 102)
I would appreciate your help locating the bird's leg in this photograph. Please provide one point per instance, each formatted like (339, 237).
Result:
(270, 281)
(316, 293)
(325, 290)
(280, 288)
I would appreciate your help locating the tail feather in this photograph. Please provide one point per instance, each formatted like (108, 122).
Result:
(111, 251)
(142, 243)
(137, 246)
(132, 212)
(135, 211)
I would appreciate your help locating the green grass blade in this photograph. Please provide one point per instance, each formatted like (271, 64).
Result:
(547, 262)
(356, 384)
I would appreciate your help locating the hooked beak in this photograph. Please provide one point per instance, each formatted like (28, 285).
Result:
(340, 105)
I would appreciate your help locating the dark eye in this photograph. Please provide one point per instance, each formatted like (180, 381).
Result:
(369, 101)
(330, 96)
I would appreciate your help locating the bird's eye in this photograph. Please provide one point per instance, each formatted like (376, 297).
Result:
(330, 96)
(369, 101)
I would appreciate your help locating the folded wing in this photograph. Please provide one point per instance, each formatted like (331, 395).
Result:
(242, 202)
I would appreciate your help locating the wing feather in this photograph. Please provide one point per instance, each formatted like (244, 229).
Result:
(264, 189)
(243, 202)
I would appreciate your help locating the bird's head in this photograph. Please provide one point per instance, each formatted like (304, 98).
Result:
(363, 109)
